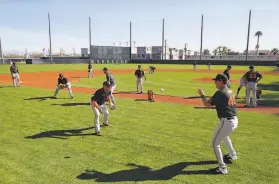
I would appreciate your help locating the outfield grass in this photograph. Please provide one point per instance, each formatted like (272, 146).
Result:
(69, 67)
(50, 141)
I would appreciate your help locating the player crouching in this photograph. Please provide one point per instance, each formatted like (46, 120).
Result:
(99, 106)
(63, 83)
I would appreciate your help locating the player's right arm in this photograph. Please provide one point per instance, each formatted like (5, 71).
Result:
(97, 106)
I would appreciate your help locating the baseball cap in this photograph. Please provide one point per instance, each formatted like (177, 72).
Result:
(221, 77)
(106, 83)
(251, 67)
(139, 65)
(60, 75)
(105, 68)
(229, 66)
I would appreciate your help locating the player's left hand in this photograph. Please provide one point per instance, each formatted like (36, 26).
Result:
(200, 91)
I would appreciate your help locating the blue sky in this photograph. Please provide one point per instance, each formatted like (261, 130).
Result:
(23, 23)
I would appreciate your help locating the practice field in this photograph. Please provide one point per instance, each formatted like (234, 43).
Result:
(45, 140)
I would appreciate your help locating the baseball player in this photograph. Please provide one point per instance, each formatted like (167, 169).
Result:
(151, 69)
(15, 75)
(208, 66)
(99, 106)
(112, 82)
(225, 104)
(252, 77)
(227, 73)
(139, 73)
(63, 83)
(194, 65)
(90, 73)
(242, 83)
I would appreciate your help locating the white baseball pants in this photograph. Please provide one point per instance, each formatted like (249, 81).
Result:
(241, 82)
(112, 88)
(277, 69)
(228, 84)
(97, 116)
(251, 86)
(222, 132)
(195, 67)
(68, 85)
(16, 79)
(90, 73)
(139, 83)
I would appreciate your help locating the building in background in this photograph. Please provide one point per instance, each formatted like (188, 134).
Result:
(260, 52)
(156, 53)
(110, 53)
(84, 52)
(143, 53)
(174, 54)
(181, 54)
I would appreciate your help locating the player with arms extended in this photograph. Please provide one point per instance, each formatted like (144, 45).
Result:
(63, 83)
(139, 73)
(99, 107)
(15, 75)
(225, 104)
(252, 77)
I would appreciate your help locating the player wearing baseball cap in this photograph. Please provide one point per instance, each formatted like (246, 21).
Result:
(112, 82)
(15, 75)
(63, 82)
(99, 106)
(227, 73)
(225, 104)
(252, 77)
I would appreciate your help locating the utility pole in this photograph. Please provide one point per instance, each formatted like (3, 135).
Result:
(130, 41)
(49, 34)
(201, 37)
(165, 49)
(185, 50)
(163, 38)
(1, 51)
(90, 38)
(248, 37)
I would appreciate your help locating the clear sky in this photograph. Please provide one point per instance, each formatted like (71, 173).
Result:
(24, 23)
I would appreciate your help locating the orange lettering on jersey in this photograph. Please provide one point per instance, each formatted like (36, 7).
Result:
(252, 76)
(232, 101)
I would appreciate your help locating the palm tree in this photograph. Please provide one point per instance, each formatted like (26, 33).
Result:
(224, 50)
(258, 34)
(206, 52)
(274, 51)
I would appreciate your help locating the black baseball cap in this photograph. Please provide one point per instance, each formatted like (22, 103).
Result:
(60, 75)
(139, 65)
(229, 66)
(220, 77)
(251, 67)
(106, 83)
(105, 69)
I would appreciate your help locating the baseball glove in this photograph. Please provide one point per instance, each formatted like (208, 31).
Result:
(259, 93)
(62, 86)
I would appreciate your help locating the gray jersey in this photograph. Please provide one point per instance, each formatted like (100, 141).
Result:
(14, 69)
(110, 78)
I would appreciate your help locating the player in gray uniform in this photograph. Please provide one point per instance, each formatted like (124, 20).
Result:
(139, 73)
(112, 82)
(227, 73)
(63, 83)
(224, 101)
(15, 75)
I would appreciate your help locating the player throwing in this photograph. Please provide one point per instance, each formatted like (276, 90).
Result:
(252, 77)
(139, 73)
(63, 83)
(225, 104)
(15, 75)
(99, 107)
(90, 73)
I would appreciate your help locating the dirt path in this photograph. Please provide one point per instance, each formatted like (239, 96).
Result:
(48, 80)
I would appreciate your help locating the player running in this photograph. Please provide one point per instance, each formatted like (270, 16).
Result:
(15, 75)
(139, 73)
(252, 77)
(99, 107)
(225, 104)
(63, 83)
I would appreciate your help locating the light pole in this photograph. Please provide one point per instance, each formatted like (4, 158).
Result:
(49, 34)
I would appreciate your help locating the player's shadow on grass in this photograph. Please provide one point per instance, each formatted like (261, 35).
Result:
(267, 100)
(143, 100)
(125, 92)
(43, 98)
(61, 134)
(73, 104)
(271, 86)
(144, 173)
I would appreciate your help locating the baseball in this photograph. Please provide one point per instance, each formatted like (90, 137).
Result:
(113, 107)
(162, 90)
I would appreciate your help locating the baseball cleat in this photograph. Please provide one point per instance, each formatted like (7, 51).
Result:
(54, 97)
(232, 157)
(105, 124)
(222, 170)
(97, 133)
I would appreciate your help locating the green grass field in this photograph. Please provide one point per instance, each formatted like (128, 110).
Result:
(46, 141)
